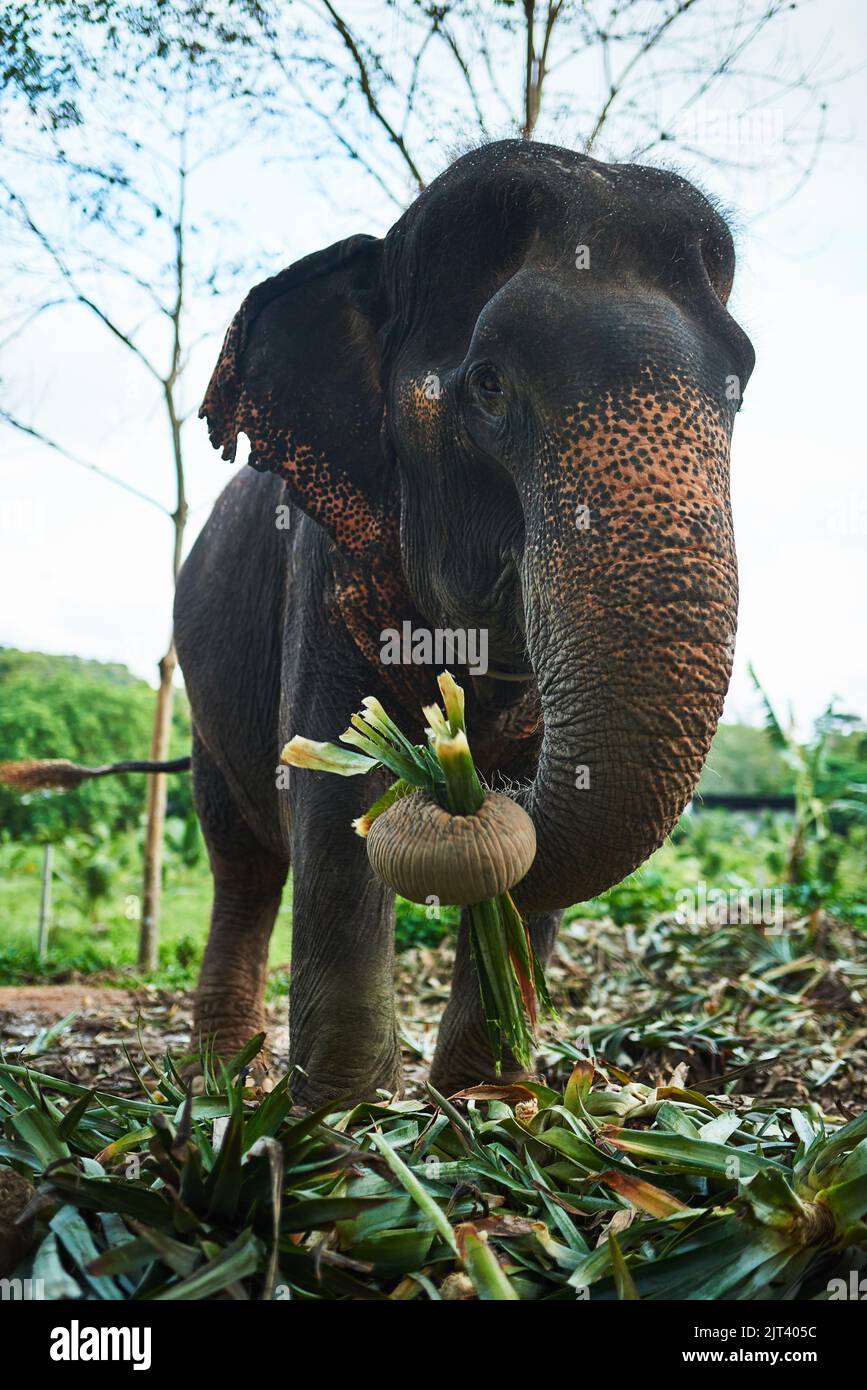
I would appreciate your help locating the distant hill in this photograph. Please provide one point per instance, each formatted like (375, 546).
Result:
(13, 661)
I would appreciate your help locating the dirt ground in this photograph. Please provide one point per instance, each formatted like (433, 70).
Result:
(90, 1051)
(148, 1022)
(796, 1032)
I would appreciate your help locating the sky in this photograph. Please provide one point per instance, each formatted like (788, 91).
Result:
(85, 567)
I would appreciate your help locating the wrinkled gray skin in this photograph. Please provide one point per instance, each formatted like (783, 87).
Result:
(566, 488)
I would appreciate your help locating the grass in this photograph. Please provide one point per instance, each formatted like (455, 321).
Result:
(108, 943)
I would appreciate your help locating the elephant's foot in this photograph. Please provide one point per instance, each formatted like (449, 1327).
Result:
(222, 1029)
(463, 1061)
(334, 1070)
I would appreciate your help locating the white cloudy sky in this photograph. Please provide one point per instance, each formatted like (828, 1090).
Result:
(84, 568)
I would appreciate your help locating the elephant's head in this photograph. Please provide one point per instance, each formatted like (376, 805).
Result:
(537, 370)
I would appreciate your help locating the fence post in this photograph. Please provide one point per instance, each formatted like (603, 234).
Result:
(45, 900)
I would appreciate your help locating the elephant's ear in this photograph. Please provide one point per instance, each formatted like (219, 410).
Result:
(299, 373)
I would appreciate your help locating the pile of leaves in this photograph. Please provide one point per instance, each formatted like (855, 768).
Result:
(782, 1013)
(609, 1189)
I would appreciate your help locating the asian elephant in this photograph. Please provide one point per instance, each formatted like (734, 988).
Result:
(511, 414)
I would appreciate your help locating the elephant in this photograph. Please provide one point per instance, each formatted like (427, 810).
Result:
(512, 414)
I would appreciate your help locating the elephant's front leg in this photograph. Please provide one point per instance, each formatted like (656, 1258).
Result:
(342, 1024)
(463, 1055)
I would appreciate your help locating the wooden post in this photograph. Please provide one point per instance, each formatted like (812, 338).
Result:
(149, 931)
(45, 900)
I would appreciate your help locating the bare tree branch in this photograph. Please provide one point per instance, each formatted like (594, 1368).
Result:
(616, 85)
(373, 105)
(78, 294)
(14, 423)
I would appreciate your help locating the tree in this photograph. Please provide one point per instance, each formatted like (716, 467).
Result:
(93, 713)
(637, 79)
(118, 114)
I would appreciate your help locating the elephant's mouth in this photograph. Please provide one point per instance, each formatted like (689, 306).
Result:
(504, 687)
(508, 659)
(512, 674)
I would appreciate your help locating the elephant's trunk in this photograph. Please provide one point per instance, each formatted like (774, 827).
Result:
(630, 597)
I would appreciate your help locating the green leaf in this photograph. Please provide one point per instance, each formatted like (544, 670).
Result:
(847, 1201)
(325, 757)
(690, 1155)
(233, 1264)
(134, 1139)
(74, 1115)
(269, 1115)
(32, 1126)
(675, 1118)
(113, 1194)
(623, 1281)
(398, 789)
(578, 1088)
(483, 1267)
(710, 1264)
(453, 701)
(771, 1199)
(778, 735)
(132, 1255)
(464, 790)
(245, 1056)
(180, 1258)
(396, 1252)
(719, 1129)
(74, 1235)
(223, 1185)
(48, 1268)
(411, 1184)
(318, 1213)
(361, 735)
(47, 1037)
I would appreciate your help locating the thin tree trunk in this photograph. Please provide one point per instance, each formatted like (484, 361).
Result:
(149, 937)
(529, 69)
(45, 900)
(149, 934)
(536, 62)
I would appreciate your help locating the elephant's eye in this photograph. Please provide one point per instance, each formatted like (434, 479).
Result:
(485, 384)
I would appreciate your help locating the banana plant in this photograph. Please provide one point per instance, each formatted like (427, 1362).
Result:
(808, 763)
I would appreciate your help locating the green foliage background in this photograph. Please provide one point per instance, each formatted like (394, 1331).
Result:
(90, 712)
(94, 712)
